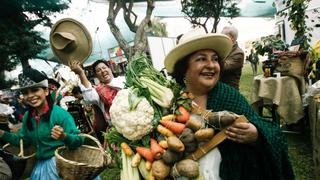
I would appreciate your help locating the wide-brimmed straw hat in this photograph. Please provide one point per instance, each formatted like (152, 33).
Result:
(70, 41)
(194, 40)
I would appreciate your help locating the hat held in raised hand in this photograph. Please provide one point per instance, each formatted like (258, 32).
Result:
(70, 41)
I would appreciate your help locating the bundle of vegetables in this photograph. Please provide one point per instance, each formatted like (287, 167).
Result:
(154, 126)
(136, 110)
(177, 138)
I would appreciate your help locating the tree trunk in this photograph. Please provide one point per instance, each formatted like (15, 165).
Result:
(2, 79)
(215, 24)
(140, 40)
(25, 63)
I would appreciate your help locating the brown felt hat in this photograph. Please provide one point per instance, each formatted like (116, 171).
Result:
(70, 41)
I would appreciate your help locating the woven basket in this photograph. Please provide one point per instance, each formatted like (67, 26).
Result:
(85, 162)
(27, 154)
(290, 66)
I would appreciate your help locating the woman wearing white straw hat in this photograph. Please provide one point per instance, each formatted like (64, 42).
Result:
(45, 126)
(253, 150)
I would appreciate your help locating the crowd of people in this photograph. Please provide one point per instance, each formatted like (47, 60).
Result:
(210, 70)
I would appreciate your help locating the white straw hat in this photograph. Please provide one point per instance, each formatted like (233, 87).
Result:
(195, 40)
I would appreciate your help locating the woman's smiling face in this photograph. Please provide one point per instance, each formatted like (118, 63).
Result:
(203, 70)
(35, 97)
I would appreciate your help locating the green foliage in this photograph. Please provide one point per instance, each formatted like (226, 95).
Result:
(296, 15)
(19, 40)
(200, 11)
(268, 44)
(157, 28)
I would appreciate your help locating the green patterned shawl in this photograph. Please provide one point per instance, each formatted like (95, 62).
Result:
(267, 158)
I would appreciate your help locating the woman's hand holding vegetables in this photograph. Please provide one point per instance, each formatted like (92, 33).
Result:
(57, 132)
(242, 133)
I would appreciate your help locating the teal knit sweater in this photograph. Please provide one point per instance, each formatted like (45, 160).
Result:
(267, 158)
(40, 137)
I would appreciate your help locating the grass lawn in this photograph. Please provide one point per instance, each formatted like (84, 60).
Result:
(300, 150)
(299, 144)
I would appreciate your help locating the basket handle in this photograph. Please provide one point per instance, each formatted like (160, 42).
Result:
(21, 154)
(93, 139)
(107, 158)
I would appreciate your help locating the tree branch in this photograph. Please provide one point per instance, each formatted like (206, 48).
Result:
(140, 40)
(113, 12)
(127, 12)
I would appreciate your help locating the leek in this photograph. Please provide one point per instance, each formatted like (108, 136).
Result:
(161, 95)
(128, 172)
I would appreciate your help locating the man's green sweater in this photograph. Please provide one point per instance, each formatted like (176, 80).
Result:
(40, 136)
(267, 158)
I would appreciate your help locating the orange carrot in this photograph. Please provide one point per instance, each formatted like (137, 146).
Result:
(126, 148)
(175, 127)
(145, 152)
(156, 149)
(164, 131)
(184, 116)
(169, 117)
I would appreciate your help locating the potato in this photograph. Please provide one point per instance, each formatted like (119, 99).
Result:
(191, 146)
(170, 157)
(187, 136)
(160, 170)
(204, 134)
(175, 144)
(195, 122)
(187, 168)
(221, 120)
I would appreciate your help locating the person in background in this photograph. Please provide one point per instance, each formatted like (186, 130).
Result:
(253, 58)
(71, 42)
(6, 112)
(20, 107)
(231, 66)
(76, 92)
(253, 150)
(45, 126)
(100, 95)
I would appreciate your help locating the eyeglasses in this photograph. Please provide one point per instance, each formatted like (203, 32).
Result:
(30, 90)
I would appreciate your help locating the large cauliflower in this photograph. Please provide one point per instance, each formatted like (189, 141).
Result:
(131, 124)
